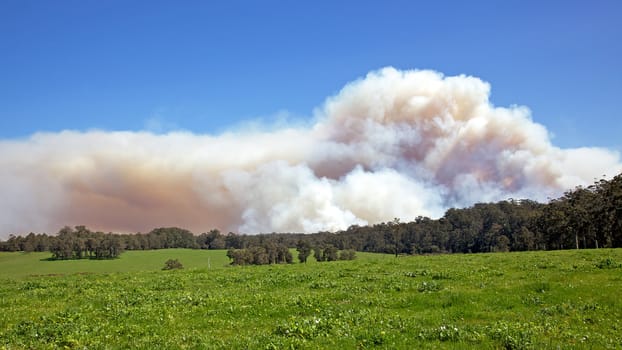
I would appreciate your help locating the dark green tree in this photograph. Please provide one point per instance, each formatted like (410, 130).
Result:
(330, 253)
(304, 250)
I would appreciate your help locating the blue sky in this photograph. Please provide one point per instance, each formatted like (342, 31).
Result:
(205, 66)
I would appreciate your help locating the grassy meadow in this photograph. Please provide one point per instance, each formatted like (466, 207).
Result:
(557, 299)
(20, 265)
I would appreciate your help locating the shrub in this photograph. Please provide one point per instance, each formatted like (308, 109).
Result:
(172, 264)
(348, 254)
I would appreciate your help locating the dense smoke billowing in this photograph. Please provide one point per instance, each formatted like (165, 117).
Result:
(394, 144)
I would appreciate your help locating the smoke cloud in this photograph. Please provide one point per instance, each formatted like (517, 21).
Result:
(393, 144)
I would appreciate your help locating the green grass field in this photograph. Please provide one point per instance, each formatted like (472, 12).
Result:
(18, 264)
(560, 299)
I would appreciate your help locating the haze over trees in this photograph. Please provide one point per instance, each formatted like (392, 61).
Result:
(586, 217)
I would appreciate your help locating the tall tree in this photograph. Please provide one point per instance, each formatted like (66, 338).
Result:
(304, 250)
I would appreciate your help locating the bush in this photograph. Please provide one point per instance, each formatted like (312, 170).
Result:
(348, 254)
(172, 264)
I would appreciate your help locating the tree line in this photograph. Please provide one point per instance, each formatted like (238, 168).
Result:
(267, 253)
(80, 242)
(585, 217)
(271, 253)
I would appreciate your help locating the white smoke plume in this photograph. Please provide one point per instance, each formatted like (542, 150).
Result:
(393, 144)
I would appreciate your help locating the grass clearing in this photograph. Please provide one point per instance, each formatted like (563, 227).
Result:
(565, 299)
(20, 265)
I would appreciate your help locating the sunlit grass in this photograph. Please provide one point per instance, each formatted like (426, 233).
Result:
(565, 299)
(18, 264)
